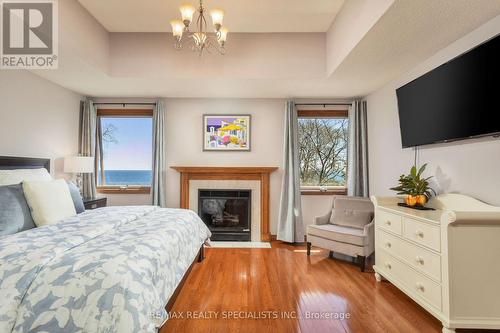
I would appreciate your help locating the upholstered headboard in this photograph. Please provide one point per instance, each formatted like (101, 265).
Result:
(11, 162)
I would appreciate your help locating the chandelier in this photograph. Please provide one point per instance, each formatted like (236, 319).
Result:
(200, 40)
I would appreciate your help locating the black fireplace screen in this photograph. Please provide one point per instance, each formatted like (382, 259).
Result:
(226, 213)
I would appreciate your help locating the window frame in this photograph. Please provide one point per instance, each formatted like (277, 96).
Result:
(323, 190)
(124, 113)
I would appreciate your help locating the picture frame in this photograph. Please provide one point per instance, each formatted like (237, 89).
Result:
(227, 132)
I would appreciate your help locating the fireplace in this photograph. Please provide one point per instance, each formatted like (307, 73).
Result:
(226, 213)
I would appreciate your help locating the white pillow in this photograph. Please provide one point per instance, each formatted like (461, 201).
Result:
(16, 176)
(49, 201)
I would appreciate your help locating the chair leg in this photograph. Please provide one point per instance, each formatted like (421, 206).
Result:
(309, 248)
(330, 255)
(361, 263)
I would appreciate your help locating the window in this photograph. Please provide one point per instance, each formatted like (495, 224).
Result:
(323, 151)
(127, 141)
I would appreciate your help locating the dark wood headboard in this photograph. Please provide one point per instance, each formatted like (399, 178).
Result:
(11, 162)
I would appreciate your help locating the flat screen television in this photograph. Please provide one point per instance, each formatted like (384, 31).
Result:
(458, 100)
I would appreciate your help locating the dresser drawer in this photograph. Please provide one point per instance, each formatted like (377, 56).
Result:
(422, 233)
(419, 258)
(388, 221)
(416, 283)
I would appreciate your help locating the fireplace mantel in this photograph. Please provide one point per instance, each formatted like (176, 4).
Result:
(230, 173)
(224, 170)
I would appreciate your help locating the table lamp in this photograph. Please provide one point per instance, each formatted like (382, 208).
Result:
(79, 165)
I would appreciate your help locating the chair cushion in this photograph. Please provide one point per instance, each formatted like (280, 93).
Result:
(338, 233)
(352, 212)
(15, 214)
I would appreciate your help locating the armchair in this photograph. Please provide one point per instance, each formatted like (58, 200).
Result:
(348, 228)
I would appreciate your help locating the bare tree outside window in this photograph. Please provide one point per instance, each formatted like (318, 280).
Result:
(323, 151)
(108, 133)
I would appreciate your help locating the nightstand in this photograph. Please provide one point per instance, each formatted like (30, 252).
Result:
(95, 203)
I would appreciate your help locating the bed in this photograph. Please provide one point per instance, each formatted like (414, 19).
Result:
(113, 269)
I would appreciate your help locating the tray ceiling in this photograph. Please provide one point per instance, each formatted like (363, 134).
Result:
(241, 15)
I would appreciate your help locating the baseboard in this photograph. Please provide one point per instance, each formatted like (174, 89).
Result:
(274, 237)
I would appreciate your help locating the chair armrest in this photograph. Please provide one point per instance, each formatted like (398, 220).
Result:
(369, 232)
(369, 229)
(319, 220)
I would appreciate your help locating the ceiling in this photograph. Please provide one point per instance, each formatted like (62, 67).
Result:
(96, 63)
(241, 15)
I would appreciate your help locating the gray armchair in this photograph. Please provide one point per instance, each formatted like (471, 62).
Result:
(348, 229)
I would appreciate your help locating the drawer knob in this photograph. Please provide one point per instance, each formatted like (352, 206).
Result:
(419, 260)
(388, 265)
(388, 222)
(420, 287)
(419, 233)
(388, 244)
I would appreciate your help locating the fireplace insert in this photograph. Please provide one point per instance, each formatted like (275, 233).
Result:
(226, 213)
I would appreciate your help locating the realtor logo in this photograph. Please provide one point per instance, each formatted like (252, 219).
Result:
(29, 34)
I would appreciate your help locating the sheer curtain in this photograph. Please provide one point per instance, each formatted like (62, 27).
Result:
(158, 187)
(290, 224)
(88, 136)
(357, 165)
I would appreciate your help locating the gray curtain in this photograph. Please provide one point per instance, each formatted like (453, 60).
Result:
(357, 164)
(290, 224)
(158, 188)
(88, 134)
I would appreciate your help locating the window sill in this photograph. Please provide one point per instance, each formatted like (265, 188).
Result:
(340, 191)
(124, 190)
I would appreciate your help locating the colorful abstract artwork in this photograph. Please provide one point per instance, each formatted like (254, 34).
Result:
(226, 132)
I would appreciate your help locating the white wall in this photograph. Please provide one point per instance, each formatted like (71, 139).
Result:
(470, 167)
(37, 118)
(184, 140)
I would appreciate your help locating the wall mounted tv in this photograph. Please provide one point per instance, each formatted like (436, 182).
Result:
(458, 100)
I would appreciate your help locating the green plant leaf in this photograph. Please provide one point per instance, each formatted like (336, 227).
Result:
(421, 170)
(413, 171)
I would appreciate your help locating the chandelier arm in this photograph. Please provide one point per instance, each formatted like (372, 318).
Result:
(204, 22)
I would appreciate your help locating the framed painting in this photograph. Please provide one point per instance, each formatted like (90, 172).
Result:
(226, 132)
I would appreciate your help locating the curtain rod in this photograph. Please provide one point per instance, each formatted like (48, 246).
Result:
(124, 104)
(323, 104)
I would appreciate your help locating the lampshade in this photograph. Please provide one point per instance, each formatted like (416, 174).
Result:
(177, 28)
(187, 12)
(78, 164)
(223, 35)
(217, 18)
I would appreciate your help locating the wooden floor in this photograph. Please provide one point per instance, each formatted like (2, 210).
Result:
(283, 290)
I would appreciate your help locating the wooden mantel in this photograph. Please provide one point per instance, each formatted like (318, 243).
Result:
(231, 173)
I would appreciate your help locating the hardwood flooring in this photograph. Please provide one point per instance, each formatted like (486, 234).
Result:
(282, 290)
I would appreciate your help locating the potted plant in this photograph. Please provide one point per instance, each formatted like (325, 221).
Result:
(416, 188)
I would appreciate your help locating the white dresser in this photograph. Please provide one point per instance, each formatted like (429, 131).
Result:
(447, 260)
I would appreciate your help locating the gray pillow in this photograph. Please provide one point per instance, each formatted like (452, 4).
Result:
(15, 215)
(77, 198)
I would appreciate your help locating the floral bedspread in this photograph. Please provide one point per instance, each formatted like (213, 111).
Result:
(111, 269)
